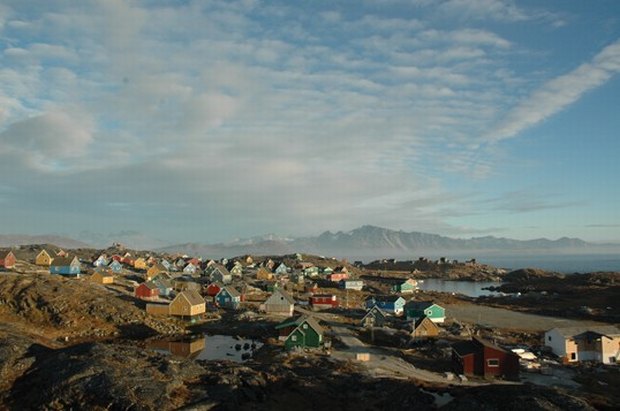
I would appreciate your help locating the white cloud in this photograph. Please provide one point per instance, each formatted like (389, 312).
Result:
(558, 93)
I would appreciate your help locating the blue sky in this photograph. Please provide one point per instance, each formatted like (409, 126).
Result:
(211, 120)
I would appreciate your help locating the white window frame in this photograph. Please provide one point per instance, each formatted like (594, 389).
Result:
(493, 365)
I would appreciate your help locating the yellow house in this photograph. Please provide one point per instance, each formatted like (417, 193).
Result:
(153, 271)
(188, 304)
(140, 264)
(263, 274)
(102, 278)
(43, 258)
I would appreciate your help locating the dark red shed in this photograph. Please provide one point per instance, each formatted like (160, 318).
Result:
(480, 357)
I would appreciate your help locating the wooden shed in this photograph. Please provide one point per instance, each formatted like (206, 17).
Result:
(482, 358)
(7, 259)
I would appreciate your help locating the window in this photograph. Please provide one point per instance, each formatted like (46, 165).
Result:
(293, 338)
(493, 362)
(573, 356)
(305, 326)
(549, 338)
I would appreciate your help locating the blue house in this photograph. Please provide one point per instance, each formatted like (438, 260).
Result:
(228, 297)
(66, 266)
(164, 286)
(116, 266)
(166, 264)
(392, 304)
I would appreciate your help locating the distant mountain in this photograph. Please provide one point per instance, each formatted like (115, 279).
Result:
(375, 242)
(10, 240)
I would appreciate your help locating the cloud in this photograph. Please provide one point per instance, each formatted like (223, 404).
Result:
(46, 141)
(526, 201)
(558, 93)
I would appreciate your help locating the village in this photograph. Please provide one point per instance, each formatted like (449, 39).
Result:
(305, 305)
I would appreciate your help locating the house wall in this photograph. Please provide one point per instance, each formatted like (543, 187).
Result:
(508, 364)
(611, 350)
(557, 343)
(463, 365)
(158, 309)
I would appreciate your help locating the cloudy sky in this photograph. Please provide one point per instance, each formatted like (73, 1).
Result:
(211, 120)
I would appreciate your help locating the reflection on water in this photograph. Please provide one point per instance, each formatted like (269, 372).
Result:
(208, 347)
(468, 288)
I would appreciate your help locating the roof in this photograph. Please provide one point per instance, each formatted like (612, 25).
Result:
(420, 305)
(463, 348)
(232, 291)
(149, 284)
(420, 320)
(384, 298)
(297, 321)
(488, 344)
(374, 310)
(607, 330)
(192, 296)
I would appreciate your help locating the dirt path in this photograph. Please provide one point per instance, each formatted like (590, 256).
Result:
(502, 318)
(384, 363)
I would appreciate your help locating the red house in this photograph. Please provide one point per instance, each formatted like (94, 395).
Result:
(213, 289)
(323, 301)
(7, 259)
(118, 258)
(480, 357)
(147, 291)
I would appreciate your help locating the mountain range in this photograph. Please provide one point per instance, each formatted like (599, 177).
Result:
(369, 242)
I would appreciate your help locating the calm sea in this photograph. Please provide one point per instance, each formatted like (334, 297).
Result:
(583, 263)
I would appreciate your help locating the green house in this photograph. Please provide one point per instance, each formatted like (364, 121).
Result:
(302, 332)
(406, 287)
(419, 309)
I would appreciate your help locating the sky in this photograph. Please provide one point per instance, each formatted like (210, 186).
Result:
(205, 121)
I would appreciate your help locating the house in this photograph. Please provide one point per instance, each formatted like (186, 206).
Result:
(323, 301)
(163, 284)
(154, 271)
(419, 309)
(146, 291)
(220, 274)
(166, 264)
(43, 259)
(351, 284)
(281, 303)
(228, 297)
(101, 261)
(587, 343)
(66, 266)
(127, 259)
(190, 269)
(102, 277)
(117, 257)
(281, 269)
(392, 304)
(302, 331)
(140, 264)
(186, 283)
(374, 318)
(115, 266)
(327, 270)
(406, 287)
(311, 271)
(61, 253)
(423, 328)
(264, 274)
(249, 260)
(235, 268)
(336, 277)
(7, 259)
(188, 304)
(213, 289)
(268, 264)
(480, 357)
